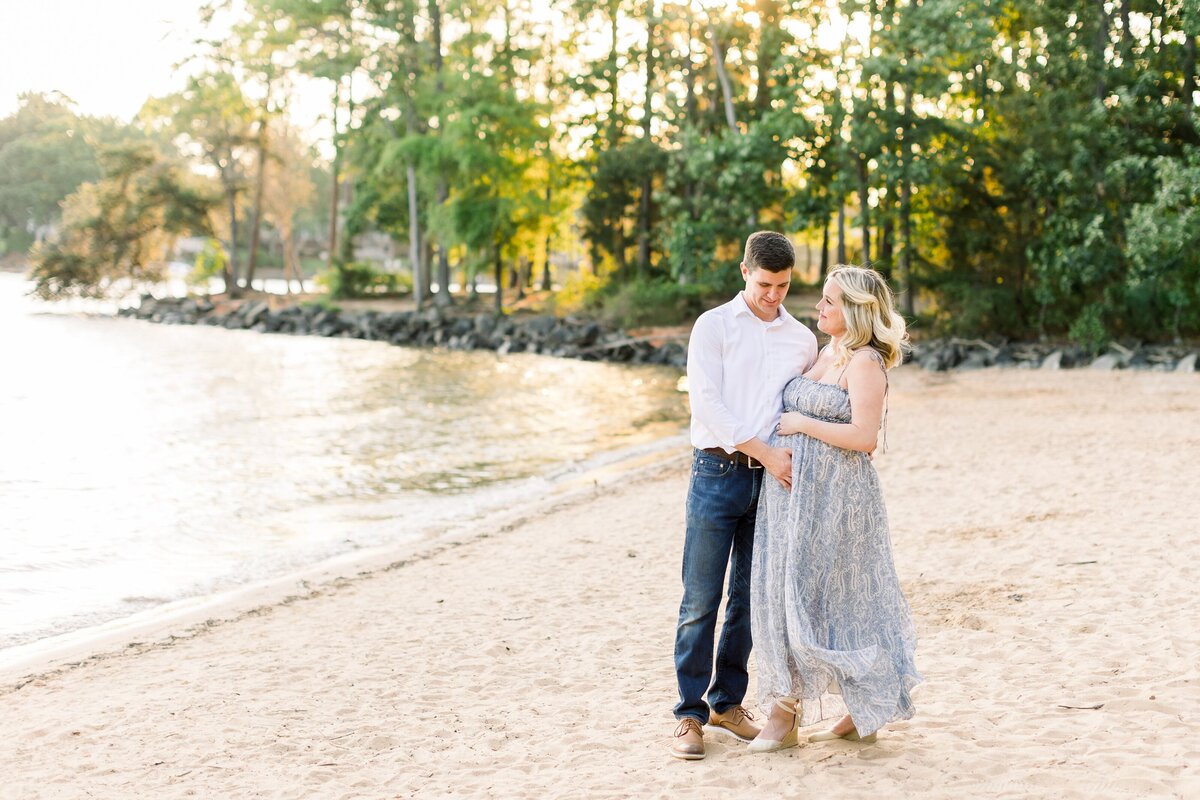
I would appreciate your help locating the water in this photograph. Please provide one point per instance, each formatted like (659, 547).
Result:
(141, 463)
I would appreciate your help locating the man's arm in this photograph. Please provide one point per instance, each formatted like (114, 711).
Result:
(706, 379)
(705, 382)
(777, 460)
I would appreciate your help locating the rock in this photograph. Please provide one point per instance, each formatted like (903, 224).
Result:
(977, 359)
(485, 324)
(939, 359)
(1053, 361)
(254, 313)
(1108, 361)
(542, 325)
(586, 335)
(1187, 363)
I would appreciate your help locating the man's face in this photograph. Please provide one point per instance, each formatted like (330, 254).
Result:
(765, 291)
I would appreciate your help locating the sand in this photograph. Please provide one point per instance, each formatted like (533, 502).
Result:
(1044, 527)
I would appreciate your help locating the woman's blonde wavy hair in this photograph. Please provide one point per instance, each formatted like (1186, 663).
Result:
(869, 310)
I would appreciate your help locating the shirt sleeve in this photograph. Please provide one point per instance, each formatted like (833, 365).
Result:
(706, 375)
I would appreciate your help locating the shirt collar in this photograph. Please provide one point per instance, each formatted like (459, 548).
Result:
(741, 307)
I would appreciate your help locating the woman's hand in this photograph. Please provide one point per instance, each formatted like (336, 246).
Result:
(792, 422)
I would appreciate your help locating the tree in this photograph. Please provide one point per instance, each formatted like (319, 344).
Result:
(116, 233)
(287, 188)
(46, 152)
(213, 120)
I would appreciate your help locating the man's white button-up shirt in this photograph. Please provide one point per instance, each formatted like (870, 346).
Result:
(737, 367)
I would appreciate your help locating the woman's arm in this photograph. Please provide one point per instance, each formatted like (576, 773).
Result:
(867, 383)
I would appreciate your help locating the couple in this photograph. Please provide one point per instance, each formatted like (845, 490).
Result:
(792, 506)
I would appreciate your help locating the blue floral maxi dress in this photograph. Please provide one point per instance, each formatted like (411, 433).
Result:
(827, 613)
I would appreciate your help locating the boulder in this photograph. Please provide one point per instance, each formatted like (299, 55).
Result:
(254, 313)
(1108, 361)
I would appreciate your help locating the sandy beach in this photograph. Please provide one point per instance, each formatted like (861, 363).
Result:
(1044, 527)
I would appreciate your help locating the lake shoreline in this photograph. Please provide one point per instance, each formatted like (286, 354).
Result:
(586, 339)
(191, 616)
(464, 671)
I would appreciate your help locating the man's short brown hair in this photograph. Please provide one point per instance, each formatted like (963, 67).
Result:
(769, 250)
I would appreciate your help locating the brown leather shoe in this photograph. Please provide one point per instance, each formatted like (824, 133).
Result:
(735, 721)
(689, 740)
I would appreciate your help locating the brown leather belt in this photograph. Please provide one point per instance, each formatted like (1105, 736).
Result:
(737, 457)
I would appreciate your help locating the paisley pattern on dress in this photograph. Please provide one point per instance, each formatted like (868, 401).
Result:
(830, 623)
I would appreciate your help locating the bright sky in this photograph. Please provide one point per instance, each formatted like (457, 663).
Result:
(107, 57)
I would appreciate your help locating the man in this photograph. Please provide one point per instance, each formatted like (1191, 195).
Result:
(740, 357)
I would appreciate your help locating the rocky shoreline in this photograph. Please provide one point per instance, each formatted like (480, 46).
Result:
(566, 337)
(578, 337)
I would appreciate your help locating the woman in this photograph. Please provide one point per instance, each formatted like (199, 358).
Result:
(832, 630)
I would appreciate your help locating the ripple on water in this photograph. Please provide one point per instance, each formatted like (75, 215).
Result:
(154, 462)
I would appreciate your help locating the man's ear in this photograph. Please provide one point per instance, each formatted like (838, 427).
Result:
(745, 272)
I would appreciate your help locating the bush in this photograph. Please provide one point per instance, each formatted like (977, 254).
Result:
(579, 292)
(361, 279)
(640, 303)
(209, 262)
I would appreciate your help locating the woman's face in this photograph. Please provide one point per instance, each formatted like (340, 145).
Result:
(829, 310)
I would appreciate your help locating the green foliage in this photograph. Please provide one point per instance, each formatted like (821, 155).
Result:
(714, 190)
(361, 279)
(46, 152)
(653, 302)
(210, 262)
(1164, 245)
(1089, 328)
(617, 181)
(115, 233)
(1020, 167)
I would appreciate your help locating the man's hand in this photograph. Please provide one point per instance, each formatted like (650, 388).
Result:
(778, 461)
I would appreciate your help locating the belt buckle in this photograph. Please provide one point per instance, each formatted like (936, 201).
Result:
(752, 464)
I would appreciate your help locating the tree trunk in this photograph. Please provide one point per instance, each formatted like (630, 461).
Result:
(723, 77)
(414, 238)
(768, 14)
(841, 231)
(523, 276)
(337, 177)
(864, 211)
(260, 181)
(886, 251)
(824, 249)
(410, 64)
(907, 301)
(546, 286)
(644, 210)
(291, 265)
(232, 288)
(443, 276)
(499, 267)
(442, 298)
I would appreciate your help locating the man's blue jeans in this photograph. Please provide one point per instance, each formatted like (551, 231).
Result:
(722, 502)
